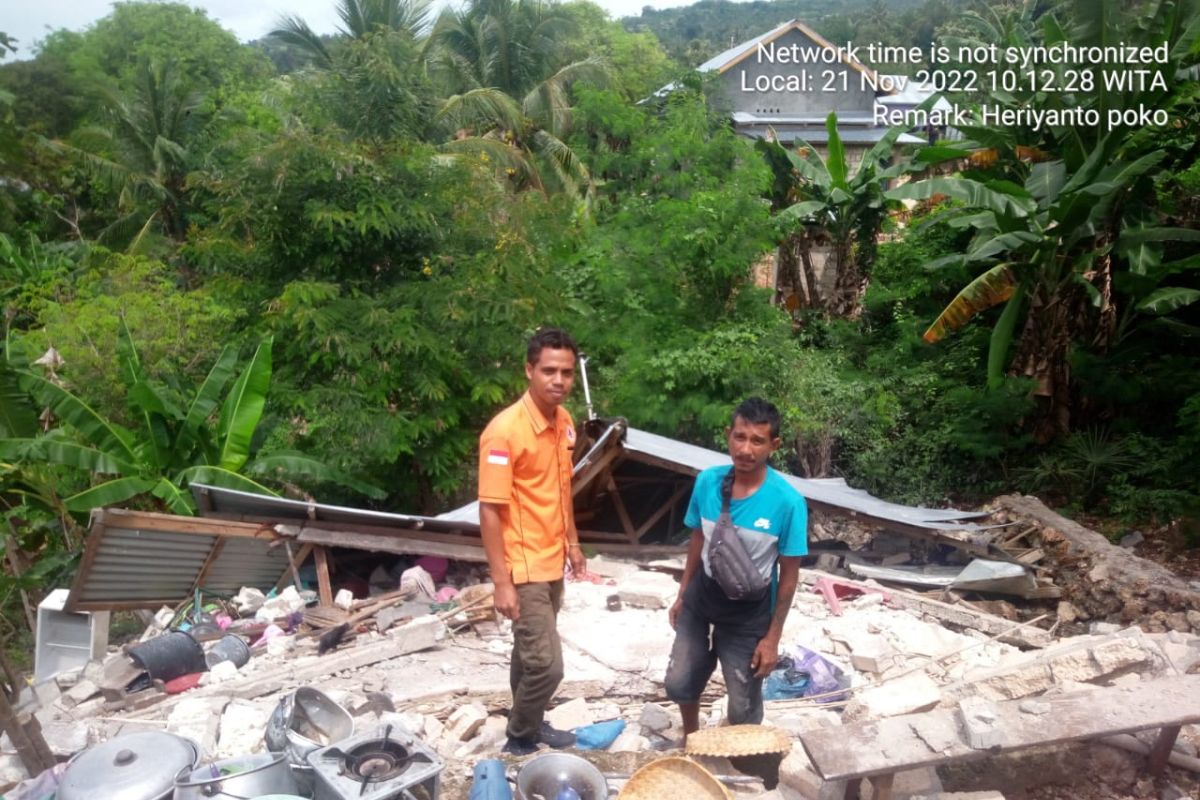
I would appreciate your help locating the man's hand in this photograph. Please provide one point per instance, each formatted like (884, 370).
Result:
(766, 655)
(673, 611)
(577, 561)
(506, 600)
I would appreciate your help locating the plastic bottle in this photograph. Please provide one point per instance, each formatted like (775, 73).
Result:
(565, 792)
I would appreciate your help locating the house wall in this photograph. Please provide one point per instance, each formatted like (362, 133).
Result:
(823, 87)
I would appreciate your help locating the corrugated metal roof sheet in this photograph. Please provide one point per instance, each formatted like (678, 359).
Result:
(141, 560)
(679, 455)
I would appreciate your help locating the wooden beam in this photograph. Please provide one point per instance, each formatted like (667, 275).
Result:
(662, 510)
(90, 551)
(293, 567)
(1162, 749)
(173, 523)
(213, 555)
(394, 544)
(594, 469)
(324, 587)
(622, 512)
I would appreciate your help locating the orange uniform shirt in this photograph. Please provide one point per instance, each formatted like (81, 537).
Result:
(525, 466)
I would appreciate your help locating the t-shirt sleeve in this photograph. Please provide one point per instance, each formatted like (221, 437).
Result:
(495, 467)
(692, 518)
(794, 538)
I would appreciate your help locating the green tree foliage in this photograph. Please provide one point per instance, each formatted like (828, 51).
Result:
(835, 207)
(1063, 216)
(174, 443)
(141, 154)
(117, 48)
(361, 19)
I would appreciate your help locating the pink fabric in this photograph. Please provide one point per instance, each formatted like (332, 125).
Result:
(271, 632)
(445, 593)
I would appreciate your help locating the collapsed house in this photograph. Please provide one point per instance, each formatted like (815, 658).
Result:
(934, 687)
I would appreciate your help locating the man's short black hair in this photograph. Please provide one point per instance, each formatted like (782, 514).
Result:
(756, 411)
(553, 338)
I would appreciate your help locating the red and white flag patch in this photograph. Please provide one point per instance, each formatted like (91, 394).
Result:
(498, 457)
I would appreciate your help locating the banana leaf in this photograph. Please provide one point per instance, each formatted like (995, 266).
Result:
(973, 193)
(836, 161)
(204, 403)
(1002, 336)
(243, 409)
(108, 493)
(179, 501)
(95, 429)
(991, 288)
(18, 417)
(1169, 298)
(219, 476)
(51, 450)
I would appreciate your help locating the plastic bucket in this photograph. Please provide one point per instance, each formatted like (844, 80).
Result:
(229, 647)
(170, 656)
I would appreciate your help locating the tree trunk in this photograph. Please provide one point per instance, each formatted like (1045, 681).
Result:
(811, 289)
(849, 285)
(1044, 355)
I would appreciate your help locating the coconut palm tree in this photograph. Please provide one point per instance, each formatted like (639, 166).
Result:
(510, 96)
(141, 154)
(360, 18)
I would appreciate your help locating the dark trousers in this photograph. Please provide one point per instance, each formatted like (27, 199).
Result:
(713, 628)
(537, 663)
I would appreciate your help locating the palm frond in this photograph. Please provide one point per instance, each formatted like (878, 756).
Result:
(294, 31)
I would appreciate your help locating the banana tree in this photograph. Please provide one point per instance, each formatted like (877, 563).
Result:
(175, 443)
(1047, 251)
(833, 206)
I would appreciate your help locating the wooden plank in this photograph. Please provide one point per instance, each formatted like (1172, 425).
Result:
(404, 546)
(173, 523)
(887, 745)
(1032, 556)
(90, 552)
(324, 586)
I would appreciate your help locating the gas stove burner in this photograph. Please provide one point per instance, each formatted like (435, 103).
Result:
(376, 767)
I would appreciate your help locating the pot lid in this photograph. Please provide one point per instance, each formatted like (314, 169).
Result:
(138, 766)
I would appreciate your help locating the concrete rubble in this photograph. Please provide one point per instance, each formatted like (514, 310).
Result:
(452, 691)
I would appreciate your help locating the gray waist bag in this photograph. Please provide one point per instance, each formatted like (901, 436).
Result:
(731, 565)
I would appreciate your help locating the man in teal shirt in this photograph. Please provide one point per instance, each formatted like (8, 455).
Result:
(771, 520)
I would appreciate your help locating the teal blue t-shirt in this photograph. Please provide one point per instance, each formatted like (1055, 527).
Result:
(772, 522)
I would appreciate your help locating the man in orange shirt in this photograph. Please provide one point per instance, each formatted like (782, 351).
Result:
(528, 528)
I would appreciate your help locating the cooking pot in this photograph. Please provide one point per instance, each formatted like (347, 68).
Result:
(137, 766)
(544, 775)
(237, 778)
(304, 721)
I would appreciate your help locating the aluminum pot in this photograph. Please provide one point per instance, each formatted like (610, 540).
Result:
(138, 766)
(237, 778)
(545, 774)
(304, 721)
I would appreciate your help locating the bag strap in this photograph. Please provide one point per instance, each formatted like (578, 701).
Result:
(726, 491)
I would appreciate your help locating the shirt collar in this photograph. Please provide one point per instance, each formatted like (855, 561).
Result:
(536, 417)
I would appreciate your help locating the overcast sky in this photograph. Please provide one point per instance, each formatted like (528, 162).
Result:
(29, 20)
